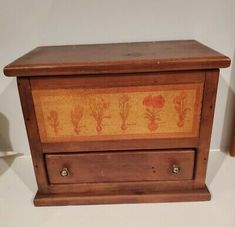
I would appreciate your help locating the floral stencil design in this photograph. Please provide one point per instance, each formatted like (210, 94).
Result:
(124, 108)
(76, 117)
(153, 105)
(180, 107)
(53, 120)
(98, 107)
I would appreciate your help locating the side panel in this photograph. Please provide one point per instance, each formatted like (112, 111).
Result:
(33, 134)
(209, 98)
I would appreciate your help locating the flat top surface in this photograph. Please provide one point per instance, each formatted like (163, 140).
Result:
(119, 57)
(18, 187)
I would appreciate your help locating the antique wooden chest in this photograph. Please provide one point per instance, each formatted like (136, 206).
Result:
(119, 123)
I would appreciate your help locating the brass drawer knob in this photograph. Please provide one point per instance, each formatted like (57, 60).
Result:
(64, 172)
(175, 169)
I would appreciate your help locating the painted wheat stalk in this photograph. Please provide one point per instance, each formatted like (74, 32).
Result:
(181, 109)
(124, 108)
(53, 120)
(76, 117)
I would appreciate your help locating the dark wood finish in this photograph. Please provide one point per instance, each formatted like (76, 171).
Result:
(123, 170)
(120, 166)
(201, 194)
(117, 58)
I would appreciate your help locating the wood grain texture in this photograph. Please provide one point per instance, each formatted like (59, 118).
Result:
(132, 144)
(116, 80)
(120, 166)
(122, 57)
(122, 187)
(33, 134)
(208, 107)
(118, 170)
(145, 197)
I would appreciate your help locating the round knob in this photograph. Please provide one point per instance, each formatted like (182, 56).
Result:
(64, 172)
(175, 169)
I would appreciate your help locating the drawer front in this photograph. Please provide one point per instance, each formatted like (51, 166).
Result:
(118, 113)
(120, 166)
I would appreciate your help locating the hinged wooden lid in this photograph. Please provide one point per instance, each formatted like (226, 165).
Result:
(117, 58)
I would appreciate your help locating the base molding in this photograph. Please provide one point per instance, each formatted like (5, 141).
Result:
(64, 199)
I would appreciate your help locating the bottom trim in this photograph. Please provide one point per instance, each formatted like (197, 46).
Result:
(76, 199)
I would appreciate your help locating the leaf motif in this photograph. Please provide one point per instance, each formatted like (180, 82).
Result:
(148, 114)
(148, 110)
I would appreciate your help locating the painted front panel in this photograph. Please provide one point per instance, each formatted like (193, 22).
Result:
(162, 111)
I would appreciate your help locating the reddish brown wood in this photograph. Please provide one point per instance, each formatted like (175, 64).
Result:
(134, 144)
(232, 151)
(123, 187)
(32, 132)
(119, 176)
(208, 107)
(166, 196)
(116, 58)
(117, 80)
(120, 166)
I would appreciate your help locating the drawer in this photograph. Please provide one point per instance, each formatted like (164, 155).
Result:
(128, 166)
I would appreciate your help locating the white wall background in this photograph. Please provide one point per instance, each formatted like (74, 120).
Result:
(26, 24)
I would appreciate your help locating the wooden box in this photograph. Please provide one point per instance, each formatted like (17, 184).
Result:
(119, 123)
